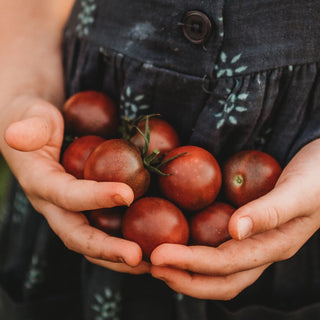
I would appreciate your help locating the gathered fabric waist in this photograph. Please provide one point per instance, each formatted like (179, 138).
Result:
(212, 37)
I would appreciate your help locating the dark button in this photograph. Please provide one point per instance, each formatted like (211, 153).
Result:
(196, 26)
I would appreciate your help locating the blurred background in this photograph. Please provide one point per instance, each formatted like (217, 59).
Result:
(4, 174)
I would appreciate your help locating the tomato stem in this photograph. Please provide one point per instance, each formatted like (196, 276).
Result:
(128, 127)
(172, 158)
(153, 161)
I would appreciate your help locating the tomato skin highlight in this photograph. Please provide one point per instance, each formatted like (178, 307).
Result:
(90, 113)
(194, 179)
(77, 153)
(151, 221)
(209, 227)
(248, 175)
(118, 160)
(163, 136)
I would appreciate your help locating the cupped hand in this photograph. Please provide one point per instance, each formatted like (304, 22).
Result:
(269, 229)
(33, 135)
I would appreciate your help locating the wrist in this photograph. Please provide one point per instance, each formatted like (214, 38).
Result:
(42, 78)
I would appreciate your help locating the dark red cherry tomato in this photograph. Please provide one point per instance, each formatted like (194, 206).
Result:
(151, 221)
(76, 154)
(90, 113)
(163, 136)
(108, 220)
(209, 227)
(248, 175)
(194, 179)
(118, 160)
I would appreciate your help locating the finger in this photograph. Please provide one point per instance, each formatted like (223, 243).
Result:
(73, 229)
(270, 211)
(142, 268)
(207, 287)
(236, 256)
(82, 195)
(34, 132)
(28, 134)
(295, 194)
(70, 193)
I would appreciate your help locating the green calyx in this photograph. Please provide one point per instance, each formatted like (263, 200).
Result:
(238, 180)
(152, 161)
(128, 126)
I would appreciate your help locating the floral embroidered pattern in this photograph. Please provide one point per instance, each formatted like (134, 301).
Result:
(132, 105)
(229, 67)
(86, 17)
(35, 275)
(230, 106)
(107, 305)
(221, 33)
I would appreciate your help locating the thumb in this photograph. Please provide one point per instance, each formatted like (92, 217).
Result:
(270, 211)
(29, 134)
(34, 132)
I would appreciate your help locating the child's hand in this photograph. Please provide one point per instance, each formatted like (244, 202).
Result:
(271, 228)
(34, 134)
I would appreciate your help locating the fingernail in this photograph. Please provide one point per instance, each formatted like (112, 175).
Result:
(244, 227)
(119, 200)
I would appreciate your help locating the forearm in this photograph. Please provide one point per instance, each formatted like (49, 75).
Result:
(30, 48)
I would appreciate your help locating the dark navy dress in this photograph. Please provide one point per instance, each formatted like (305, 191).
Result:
(229, 75)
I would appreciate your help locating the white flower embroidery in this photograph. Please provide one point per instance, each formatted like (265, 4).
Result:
(229, 68)
(107, 305)
(221, 33)
(86, 17)
(230, 105)
(132, 106)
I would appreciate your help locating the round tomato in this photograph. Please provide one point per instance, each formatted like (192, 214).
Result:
(77, 153)
(90, 113)
(118, 160)
(248, 175)
(108, 220)
(193, 179)
(163, 136)
(209, 227)
(151, 221)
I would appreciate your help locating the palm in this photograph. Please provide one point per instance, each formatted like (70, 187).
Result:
(282, 221)
(35, 138)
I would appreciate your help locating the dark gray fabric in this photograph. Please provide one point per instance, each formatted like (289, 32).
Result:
(253, 84)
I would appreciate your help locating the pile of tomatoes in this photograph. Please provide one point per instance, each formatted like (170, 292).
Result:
(178, 189)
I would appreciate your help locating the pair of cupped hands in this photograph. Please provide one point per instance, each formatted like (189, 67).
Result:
(269, 229)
